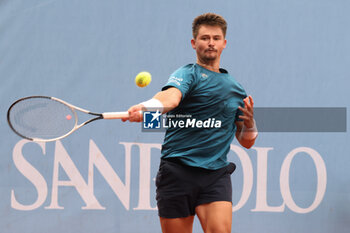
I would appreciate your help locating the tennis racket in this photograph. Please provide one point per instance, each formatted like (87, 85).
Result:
(45, 119)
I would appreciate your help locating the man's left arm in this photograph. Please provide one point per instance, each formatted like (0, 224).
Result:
(246, 132)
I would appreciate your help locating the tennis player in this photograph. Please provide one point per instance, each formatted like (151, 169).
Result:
(194, 175)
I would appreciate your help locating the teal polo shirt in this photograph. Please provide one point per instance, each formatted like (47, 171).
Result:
(202, 127)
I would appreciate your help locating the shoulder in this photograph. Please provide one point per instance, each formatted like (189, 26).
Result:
(239, 89)
(185, 73)
(183, 70)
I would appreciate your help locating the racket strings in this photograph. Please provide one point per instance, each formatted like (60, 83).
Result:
(42, 118)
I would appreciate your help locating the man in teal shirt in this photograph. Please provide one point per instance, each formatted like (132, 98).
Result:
(194, 175)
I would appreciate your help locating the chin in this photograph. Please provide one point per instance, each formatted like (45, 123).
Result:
(210, 58)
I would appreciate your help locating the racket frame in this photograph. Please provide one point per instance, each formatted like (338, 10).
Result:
(73, 108)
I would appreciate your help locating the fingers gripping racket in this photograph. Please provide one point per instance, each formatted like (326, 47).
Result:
(42, 118)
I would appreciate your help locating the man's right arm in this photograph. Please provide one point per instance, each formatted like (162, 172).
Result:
(169, 99)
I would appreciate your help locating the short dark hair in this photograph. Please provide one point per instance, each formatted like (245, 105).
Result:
(210, 19)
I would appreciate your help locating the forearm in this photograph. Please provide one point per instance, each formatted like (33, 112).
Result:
(169, 99)
(163, 101)
(246, 136)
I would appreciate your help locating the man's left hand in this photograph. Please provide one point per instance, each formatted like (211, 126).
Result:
(248, 112)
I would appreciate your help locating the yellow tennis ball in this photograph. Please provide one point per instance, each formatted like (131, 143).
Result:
(143, 79)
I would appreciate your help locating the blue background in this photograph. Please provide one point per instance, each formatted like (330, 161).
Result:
(286, 53)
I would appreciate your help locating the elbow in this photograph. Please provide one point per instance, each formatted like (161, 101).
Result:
(248, 146)
(247, 143)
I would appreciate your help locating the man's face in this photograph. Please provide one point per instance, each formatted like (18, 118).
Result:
(209, 43)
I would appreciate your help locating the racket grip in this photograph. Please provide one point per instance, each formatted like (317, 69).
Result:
(115, 115)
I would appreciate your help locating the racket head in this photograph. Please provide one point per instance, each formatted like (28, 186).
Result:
(42, 118)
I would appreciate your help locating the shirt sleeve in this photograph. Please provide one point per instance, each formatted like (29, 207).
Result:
(182, 79)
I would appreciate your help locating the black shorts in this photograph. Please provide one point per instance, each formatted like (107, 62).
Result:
(181, 188)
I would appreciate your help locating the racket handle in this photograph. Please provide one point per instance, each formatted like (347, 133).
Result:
(115, 115)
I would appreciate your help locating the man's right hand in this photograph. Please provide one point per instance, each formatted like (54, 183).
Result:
(135, 113)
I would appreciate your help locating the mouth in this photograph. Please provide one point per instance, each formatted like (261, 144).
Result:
(210, 50)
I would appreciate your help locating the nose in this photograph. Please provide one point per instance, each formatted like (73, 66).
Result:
(211, 42)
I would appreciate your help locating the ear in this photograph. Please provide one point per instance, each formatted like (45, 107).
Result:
(193, 43)
(225, 42)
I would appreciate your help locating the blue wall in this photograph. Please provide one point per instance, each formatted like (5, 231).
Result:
(101, 179)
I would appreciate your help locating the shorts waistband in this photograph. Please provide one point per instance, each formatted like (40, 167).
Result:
(175, 160)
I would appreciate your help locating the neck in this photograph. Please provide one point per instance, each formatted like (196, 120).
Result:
(213, 66)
